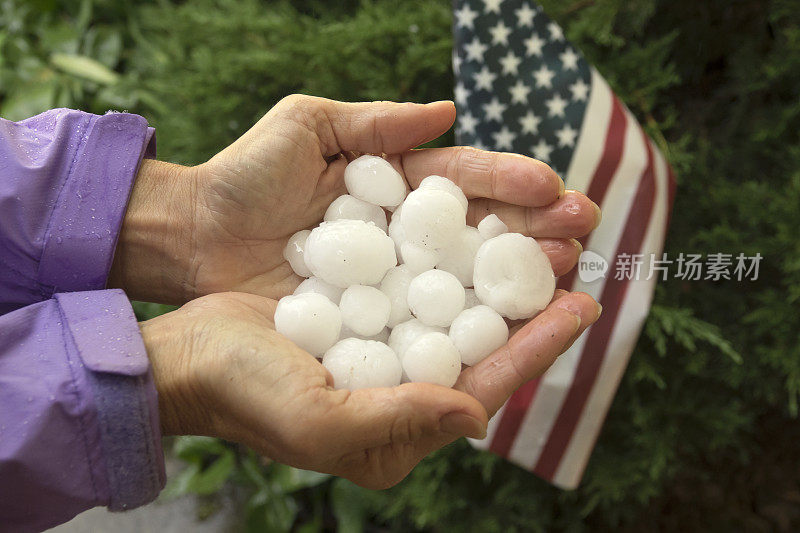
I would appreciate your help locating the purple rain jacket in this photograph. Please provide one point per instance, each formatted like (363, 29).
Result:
(78, 407)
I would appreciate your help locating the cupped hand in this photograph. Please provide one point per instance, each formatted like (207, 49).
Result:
(222, 370)
(230, 218)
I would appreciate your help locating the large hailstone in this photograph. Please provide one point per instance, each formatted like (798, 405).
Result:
(436, 297)
(347, 207)
(314, 284)
(417, 257)
(349, 252)
(310, 320)
(458, 257)
(491, 226)
(477, 332)
(432, 358)
(404, 334)
(359, 364)
(395, 286)
(365, 310)
(443, 184)
(382, 336)
(432, 218)
(470, 299)
(513, 275)
(294, 252)
(396, 231)
(374, 180)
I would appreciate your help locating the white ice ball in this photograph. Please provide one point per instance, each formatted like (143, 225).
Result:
(513, 275)
(374, 180)
(381, 336)
(349, 252)
(310, 320)
(436, 297)
(348, 207)
(458, 258)
(470, 299)
(395, 285)
(407, 332)
(314, 284)
(491, 226)
(294, 250)
(359, 364)
(365, 309)
(396, 231)
(443, 184)
(432, 218)
(417, 257)
(432, 358)
(477, 332)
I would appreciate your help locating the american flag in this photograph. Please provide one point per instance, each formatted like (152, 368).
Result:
(522, 87)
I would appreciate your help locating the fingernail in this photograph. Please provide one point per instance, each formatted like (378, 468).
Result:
(598, 215)
(462, 425)
(579, 245)
(561, 188)
(599, 311)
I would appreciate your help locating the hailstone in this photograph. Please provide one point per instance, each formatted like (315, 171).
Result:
(348, 207)
(432, 218)
(404, 334)
(310, 320)
(396, 231)
(314, 284)
(513, 276)
(477, 332)
(365, 310)
(418, 258)
(395, 285)
(359, 364)
(374, 180)
(382, 335)
(443, 184)
(470, 299)
(458, 258)
(293, 252)
(432, 358)
(491, 226)
(436, 297)
(349, 252)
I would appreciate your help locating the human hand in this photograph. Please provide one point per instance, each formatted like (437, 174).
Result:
(222, 225)
(222, 370)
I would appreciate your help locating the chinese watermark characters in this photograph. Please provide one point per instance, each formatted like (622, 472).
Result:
(688, 267)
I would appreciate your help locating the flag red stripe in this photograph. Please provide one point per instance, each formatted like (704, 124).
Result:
(514, 412)
(599, 335)
(606, 168)
(520, 401)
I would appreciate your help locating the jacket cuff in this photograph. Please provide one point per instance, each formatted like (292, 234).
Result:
(105, 338)
(82, 233)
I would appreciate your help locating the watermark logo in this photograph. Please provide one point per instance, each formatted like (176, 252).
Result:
(688, 267)
(591, 266)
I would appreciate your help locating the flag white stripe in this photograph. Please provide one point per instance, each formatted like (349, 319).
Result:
(592, 138)
(604, 240)
(625, 334)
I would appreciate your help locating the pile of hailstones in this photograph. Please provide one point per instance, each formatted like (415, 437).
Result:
(366, 279)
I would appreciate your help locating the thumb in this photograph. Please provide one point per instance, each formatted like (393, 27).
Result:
(370, 418)
(373, 127)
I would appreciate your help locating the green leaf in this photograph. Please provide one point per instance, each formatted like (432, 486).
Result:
(292, 479)
(194, 448)
(84, 67)
(214, 477)
(28, 100)
(348, 506)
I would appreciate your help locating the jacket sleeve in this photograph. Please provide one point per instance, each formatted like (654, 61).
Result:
(78, 411)
(65, 178)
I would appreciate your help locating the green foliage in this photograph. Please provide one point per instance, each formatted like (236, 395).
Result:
(715, 379)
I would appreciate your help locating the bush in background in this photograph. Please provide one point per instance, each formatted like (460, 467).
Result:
(702, 434)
